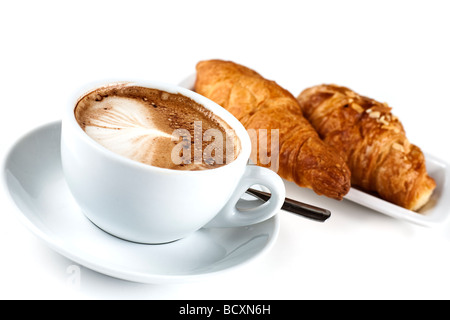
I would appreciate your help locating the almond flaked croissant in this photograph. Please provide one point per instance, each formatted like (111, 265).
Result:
(373, 143)
(262, 104)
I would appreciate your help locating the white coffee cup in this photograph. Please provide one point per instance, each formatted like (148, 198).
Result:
(147, 204)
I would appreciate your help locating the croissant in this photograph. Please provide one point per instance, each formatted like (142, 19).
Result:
(373, 143)
(262, 104)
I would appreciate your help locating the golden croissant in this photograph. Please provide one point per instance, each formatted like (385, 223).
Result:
(373, 143)
(262, 104)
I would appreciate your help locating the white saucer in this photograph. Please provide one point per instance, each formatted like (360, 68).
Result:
(34, 179)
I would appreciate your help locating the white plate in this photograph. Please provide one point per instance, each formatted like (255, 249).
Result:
(435, 212)
(34, 179)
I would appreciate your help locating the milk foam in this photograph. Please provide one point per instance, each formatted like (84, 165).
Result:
(125, 126)
(156, 128)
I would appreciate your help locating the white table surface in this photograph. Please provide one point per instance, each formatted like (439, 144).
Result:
(396, 52)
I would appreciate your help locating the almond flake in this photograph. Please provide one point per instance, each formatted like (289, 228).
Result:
(357, 108)
(398, 147)
(375, 114)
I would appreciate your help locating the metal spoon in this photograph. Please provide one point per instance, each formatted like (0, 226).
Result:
(297, 207)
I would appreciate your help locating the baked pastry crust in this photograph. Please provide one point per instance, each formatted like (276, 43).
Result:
(262, 104)
(373, 143)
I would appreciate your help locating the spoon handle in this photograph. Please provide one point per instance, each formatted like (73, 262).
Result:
(297, 207)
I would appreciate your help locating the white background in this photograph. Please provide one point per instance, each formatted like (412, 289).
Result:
(394, 51)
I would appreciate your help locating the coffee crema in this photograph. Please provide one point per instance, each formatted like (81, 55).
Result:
(157, 128)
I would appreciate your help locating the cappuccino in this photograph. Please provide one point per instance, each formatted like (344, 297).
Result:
(157, 128)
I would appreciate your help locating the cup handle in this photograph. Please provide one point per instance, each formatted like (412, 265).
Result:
(231, 216)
